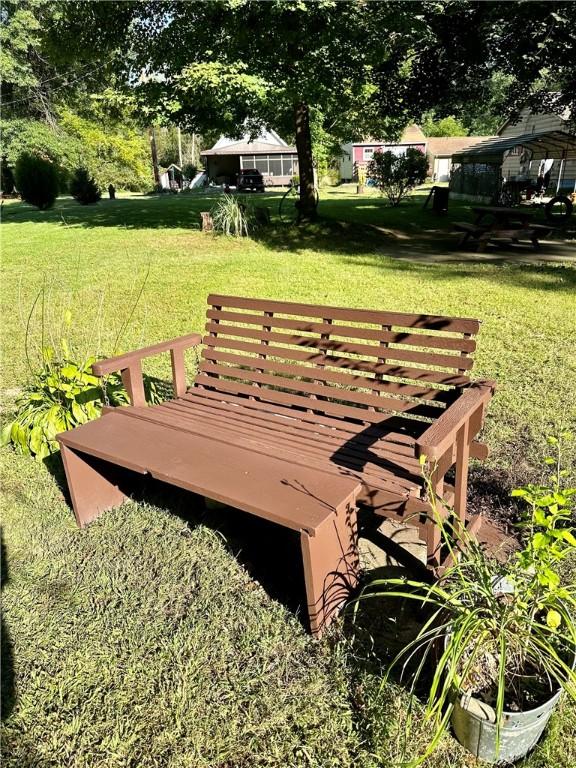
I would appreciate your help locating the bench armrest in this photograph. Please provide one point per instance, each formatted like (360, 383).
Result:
(131, 368)
(443, 433)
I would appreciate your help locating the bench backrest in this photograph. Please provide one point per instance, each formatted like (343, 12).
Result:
(347, 363)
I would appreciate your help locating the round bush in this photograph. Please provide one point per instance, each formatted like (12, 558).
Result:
(36, 180)
(83, 187)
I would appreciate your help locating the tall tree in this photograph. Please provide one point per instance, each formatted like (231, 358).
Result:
(366, 67)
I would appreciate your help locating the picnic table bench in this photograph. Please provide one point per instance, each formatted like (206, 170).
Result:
(299, 414)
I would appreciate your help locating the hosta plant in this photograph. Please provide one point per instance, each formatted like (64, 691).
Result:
(502, 632)
(62, 395)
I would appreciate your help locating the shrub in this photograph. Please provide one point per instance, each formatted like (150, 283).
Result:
(63, 394)
(396, 175)
(190, 170)
(232, 216)
(83, 187)
(36, 180)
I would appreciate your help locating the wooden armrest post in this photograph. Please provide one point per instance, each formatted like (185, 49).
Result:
(134, 383)
(178, 371)
(130, 366)
(461, 484)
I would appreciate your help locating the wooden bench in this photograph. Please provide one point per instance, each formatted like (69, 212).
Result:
(298, 414)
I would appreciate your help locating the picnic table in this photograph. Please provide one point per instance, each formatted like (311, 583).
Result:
(495, 223)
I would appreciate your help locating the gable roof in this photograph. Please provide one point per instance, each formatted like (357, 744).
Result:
(446, 146)
(412, 134)
(268, 142)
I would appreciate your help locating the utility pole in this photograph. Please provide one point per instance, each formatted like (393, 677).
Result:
(154, 152)
(179, 147)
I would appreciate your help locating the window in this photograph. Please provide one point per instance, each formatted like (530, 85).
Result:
(247, 161)
(368, 153)
(261, 164)
(275, 165)
(289, 165)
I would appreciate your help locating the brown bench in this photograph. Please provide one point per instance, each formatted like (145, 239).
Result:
(298, 414)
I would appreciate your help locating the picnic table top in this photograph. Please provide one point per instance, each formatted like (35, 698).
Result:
(498, 210)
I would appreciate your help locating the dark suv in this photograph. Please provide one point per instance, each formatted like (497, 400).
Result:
(250, 179)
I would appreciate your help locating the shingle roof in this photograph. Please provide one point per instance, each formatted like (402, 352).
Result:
(446, 146)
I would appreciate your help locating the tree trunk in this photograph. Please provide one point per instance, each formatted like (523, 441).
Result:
(154, 155)
(307, 210)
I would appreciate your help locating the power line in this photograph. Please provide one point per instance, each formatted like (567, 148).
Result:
(64, 85)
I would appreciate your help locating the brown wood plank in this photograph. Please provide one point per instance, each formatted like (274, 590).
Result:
(452, 362)
(394, 428)
(320, 390)
(457, 344)
(352, 466)
(282, 435)
(316, 432)
(241, 478)
(349, 379)
(293, 400)
(405, 320)
(420, 375)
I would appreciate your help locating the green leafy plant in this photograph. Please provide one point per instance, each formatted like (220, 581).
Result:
(62, 395)
(83, 188)
(502, 632)
(395, 175)
(36, 180)
(233, 216)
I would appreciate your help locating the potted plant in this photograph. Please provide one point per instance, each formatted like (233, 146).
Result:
(500, 636)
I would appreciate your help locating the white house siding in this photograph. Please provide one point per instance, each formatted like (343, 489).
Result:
(535, 123)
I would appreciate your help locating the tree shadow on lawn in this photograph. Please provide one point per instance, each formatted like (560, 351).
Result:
(139, 212)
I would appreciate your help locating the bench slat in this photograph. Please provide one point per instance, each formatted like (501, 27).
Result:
(420, 375)
(452, 362)
(320, 390)
(405, 320)
(273, 432)
(346, 379)
(376, 475)
(395, 428)
(290, 399)
(459, 344)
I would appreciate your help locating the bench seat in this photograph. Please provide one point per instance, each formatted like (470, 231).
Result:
(299, 413)
(318, 505)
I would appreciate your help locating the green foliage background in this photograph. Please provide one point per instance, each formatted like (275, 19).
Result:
(116, 154)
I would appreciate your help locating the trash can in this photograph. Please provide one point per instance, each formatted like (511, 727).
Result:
(440, 200)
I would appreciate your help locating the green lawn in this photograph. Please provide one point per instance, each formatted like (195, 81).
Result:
(144, 640)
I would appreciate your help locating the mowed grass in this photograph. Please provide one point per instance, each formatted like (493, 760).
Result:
(153, 638)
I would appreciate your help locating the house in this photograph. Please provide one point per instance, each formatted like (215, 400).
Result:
(536, 147)
(359, 153)
(267, 153)
(440, 150)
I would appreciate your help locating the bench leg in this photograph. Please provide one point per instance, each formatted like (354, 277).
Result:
(91, 491)
(330, 567)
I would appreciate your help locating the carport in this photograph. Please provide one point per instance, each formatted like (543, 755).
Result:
(478, 171)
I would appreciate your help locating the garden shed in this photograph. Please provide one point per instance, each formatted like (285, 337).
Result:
(478, 171)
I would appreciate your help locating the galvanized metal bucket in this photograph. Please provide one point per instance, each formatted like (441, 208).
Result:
(474, 724)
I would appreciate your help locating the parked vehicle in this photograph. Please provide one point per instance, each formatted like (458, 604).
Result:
(249, 179)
